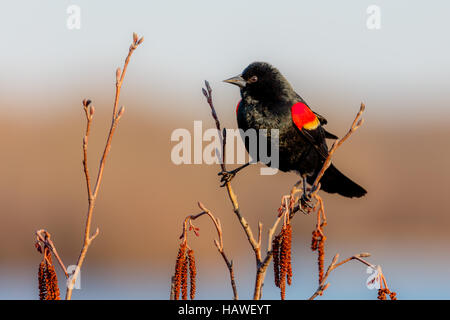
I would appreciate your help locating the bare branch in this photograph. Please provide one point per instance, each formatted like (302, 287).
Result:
(333, 265)
(92, 193)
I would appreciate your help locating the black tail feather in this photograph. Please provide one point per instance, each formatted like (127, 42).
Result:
(333, 181)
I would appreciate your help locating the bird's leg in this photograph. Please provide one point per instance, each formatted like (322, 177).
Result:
(227, 176)
(305, 199)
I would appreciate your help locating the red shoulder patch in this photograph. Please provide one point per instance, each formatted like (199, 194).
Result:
(237, 107)
(303, 117)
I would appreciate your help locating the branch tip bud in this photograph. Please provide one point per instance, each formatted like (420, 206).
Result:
(364, 255)
(121, 111)
(118, 73)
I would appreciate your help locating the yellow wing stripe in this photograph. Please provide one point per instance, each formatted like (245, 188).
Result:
(312, 124)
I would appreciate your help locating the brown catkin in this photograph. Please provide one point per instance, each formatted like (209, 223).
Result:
(283, 266)
(179, 269)
(184, 279)
(318, 243)
(315, 240)
(321, 257)
(192, 272)
(288, 245)
(276, 259)
(285, 256)
(48, 281)
(283, 288)
(53, 290)
(382, 294)
(42, 281)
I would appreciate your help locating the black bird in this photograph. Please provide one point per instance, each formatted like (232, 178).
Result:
(269, 102)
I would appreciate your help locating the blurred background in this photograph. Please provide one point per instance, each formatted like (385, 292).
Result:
(332, 59)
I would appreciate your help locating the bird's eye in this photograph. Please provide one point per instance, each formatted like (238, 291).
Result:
(253, 79)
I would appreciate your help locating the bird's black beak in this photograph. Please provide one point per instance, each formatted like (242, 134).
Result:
(238, 81)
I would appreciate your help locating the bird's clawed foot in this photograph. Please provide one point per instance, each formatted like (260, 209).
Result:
(227, 176)
(306, 203)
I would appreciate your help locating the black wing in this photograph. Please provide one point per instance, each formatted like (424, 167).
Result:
(317, 138)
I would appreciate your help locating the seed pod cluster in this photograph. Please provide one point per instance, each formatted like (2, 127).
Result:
(382, 292)
(185, 262)
(282, 264)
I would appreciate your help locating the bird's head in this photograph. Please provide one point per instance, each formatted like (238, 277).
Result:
(261, 81)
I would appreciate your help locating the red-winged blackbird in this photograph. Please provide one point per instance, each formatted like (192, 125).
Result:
(269, 102)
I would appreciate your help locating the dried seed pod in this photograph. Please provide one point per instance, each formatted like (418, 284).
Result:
(192, 272)
(315, 240)
(42, 281)
(179, 269)
(318, 243)
(321, 258)
(52, 283)
(283, 268)
(283, 289)
(276, 259)
(184, 278)
(288, 245)
(381, 294)
(48, 281)
(285, 258)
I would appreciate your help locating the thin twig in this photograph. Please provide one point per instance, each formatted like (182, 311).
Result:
(92, 194)
(44, 237)
(89, 111)
(333, 265)
(355, 125)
